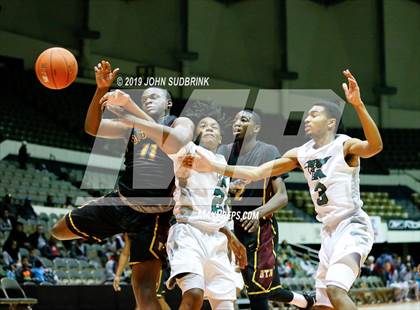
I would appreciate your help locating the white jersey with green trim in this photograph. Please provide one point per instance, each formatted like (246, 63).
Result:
(333, 184)
(200, 198)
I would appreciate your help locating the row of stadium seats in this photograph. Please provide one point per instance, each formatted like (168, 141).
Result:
(74, 277)
(68, 264)
(35, 184)
(401, 148)
(375, 203)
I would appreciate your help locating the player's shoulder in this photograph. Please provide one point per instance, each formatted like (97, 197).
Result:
(269, 150)
(225, 149)
(344, 137)
(345, 141)
(265, 146)
(182, 121)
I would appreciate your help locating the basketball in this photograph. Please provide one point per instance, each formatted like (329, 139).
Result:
(56, 68)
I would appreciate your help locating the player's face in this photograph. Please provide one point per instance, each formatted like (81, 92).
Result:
(154, 102)
(209, 130)
(243, 124)
(316, 123)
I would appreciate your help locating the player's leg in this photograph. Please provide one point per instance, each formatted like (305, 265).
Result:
(340, 278)
(61, 231)
(161, 292)
(96, 220)
(302, 301)
(322, 300)
(350, 243)
(192, 287)
(143, 280)
(219, 304)
(147, 252)
(257, 262)
(220, 275)
(266, 275)
(340, 298)
(186, 259)
(257, 303)
(163, 304)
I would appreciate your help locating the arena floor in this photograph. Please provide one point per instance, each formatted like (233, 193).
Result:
(401, 306)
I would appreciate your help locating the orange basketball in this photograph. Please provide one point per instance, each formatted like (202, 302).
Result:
(56, 68)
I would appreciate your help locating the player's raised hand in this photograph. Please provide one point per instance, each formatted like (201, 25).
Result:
(116, 284)
(104, 74)
(352, 90)
(200, 162)
(116, 98)
(250, 225)
(123, 115)
(238, 250)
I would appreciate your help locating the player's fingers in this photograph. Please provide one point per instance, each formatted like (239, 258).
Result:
(253, 228)
(104, 98)
(345, 88)
(115, 72)
(352, 82)
(248, 226)
(107, 66)
(350, 75)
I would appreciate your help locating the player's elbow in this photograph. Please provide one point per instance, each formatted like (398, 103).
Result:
(375, 149)
(380, 147)
(90, 130)
(283, 200)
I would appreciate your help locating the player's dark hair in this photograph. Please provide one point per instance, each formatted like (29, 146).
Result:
(199, 109)
(333, 111)
(255, 116)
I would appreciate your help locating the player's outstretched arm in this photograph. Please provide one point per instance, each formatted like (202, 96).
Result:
(122, 262)
(275, 167)
(169, 139)
(123, 100)
(94, 125)
(373, 143)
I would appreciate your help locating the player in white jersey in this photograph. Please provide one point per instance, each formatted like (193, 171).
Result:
(196, 246)
(331, 165)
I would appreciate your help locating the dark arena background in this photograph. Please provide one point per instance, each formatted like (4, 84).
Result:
(240, 48)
